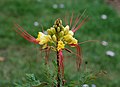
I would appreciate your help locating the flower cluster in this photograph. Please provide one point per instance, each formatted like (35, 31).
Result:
(58, 35)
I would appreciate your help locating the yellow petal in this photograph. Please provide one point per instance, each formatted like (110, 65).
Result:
(61, 45)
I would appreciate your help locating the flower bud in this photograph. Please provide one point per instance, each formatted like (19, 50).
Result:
(67, 37)
(69, 41)
(71, 33)
(44, 46)
(49, 32)
(54, 38)
(58, 29)
(56, 22)
(53, 30)
(55, 26)
(60, 22)
(61, 33)
(66, 29)
(49, 37)
(61, 27)
(73, 41)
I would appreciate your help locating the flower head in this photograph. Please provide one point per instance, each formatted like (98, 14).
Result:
(57, 36)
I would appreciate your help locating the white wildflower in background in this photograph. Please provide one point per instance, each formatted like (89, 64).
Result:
(55, 6)
(93, 85)
(36, 23)
(103, 16)
(61, 5)
(85, 85)
(104, 43)
(110, 53)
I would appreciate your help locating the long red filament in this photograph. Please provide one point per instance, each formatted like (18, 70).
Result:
(79, 55)
(61, 64)
(25, 35)
(71, 19)
(75, 23)
(78, 27)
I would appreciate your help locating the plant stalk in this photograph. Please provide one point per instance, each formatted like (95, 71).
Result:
(58, 73)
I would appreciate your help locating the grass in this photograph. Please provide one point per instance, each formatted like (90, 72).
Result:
(22, 57)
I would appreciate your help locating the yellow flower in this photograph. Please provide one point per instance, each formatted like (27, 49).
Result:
(61, 45)
(69, 39)
(73, 41)
(40, 35)
(43, 38)
(57, 32)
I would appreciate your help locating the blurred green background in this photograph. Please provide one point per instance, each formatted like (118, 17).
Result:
(18, 56)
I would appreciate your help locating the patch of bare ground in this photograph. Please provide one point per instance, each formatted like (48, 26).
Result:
(115, 4)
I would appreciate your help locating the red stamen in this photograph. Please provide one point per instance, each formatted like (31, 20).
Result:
(66, 22)
(71, 19)
(61, 59)
(79, 55)
(25, 35)
(76, 22)
(78, 27)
